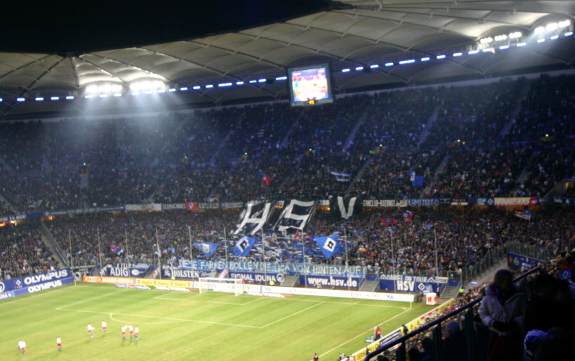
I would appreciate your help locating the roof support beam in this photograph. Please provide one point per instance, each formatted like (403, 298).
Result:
(317, 51)
(24, 66)
(259, 59)
(211, 69)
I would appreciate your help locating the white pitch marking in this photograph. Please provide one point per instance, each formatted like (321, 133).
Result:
(86, 300)
(166, 318)
(291, 315)
(362, 334)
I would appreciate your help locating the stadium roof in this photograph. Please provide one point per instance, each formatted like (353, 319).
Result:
(347, 34)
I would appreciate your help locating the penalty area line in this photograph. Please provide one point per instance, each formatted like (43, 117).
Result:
(291, 315)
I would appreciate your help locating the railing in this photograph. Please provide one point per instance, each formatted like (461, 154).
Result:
(399, 346)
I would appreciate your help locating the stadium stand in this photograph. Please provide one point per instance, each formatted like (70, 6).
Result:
(463, 154)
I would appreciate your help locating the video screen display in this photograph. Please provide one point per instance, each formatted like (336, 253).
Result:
(310, 85)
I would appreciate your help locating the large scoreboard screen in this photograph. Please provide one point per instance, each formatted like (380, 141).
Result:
(310, 85)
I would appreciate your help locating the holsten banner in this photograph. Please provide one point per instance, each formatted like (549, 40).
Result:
(35, 283)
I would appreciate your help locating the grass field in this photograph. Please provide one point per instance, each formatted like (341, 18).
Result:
(189, 326)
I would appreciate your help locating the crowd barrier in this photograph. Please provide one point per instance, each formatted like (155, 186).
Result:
(512, 202)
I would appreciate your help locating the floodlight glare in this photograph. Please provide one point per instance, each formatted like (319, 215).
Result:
(146, 86)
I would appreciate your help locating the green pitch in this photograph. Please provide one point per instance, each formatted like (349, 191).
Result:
(190, 326)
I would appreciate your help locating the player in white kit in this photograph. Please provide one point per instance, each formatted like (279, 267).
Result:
(104, 327)
(22, 346)
(136, 334)
(59, 343)
(90, 330)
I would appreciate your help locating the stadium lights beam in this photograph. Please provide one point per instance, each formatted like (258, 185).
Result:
(283, 77)
(240, 83)
(54, 99)
(554, 37)
(196, 87)
(458, 54)
(441, 56)
(389, 64)
(569, 33)
(262, 80)
(171, 90)
(473, 52)
(407, 61)
(374, 66)
(39, 99)
(504, 47)
(209, 86)
(520, 45)
(359, 68)
(424, 59)
(224, 85)
(20, 99)
(70, 97)
(253, 81)
(184, 88)
(345, 70)
(542, 40)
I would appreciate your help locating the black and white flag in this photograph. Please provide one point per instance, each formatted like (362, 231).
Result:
(253, 218)
(295, 215)
(347, 207)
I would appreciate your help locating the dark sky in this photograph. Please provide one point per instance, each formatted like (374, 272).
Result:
(73, 28)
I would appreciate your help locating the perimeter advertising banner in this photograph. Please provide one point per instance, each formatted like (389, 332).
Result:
(181, 273)
(261, 278)
(35, 283)
(517, 262)
(402, 283)
(139, 281)
(321, 281)
(125, 270)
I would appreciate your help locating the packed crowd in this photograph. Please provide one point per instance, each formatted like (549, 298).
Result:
(387, 242)
(22, 252)
(503, 138)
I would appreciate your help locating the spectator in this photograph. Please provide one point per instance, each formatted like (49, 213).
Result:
(502, 310)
